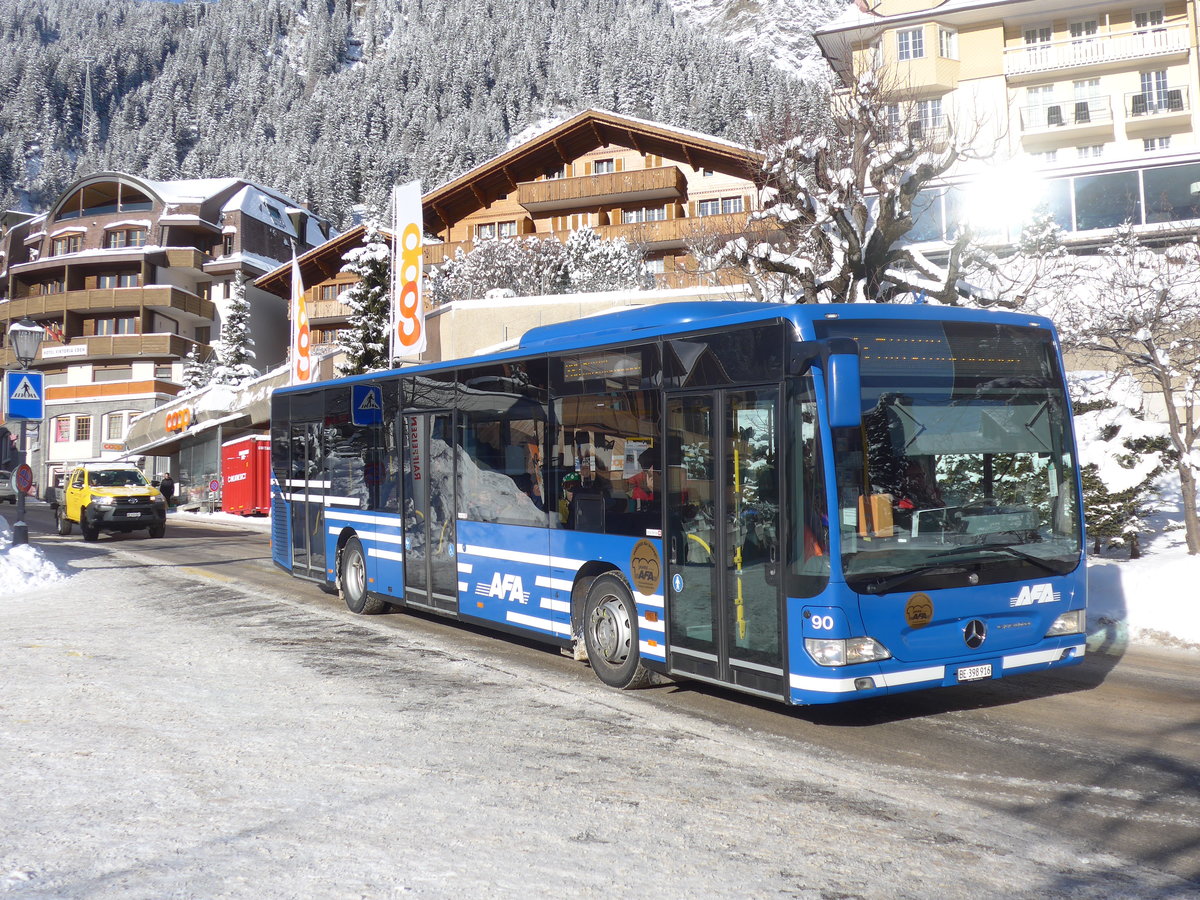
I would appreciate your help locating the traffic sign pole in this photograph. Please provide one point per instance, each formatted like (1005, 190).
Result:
(20, 529)
(24, 400)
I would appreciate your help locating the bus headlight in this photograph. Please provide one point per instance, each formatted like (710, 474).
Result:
(1073, 622)
(837, 652)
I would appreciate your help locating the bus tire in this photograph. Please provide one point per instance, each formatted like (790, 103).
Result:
(610, 634)
(61, 522)
(352, 581)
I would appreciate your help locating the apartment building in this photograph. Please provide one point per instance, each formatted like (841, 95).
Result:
(663, 189)
(1085, 110)
(128, 276)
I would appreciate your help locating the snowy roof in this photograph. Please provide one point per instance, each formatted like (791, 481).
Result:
(588, 130)
(191, 191)
(256, 203)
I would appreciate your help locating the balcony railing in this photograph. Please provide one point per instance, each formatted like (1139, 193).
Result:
(1092, 111)
(108, 346)
(661, 183)
(1156, 102)
(1096, 49)
(161, 297)
(654, 235)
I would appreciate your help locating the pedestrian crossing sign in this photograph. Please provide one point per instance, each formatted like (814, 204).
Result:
(24, 395)
(366, 404)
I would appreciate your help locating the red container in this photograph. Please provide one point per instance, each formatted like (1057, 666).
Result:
(246, 475)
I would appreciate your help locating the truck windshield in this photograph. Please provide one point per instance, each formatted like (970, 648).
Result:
(963, 470)
(117, 478)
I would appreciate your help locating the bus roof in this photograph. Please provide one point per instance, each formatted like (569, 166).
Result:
(662, 319)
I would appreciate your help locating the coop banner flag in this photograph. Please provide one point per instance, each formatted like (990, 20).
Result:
(301, 339)
(408, 309)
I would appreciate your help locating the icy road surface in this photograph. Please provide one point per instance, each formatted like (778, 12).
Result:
(164, 734)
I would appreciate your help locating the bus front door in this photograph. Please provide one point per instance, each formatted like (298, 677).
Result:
(308, 487)
(430, 566)
(725, 602)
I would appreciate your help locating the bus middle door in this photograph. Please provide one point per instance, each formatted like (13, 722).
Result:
(430, 561)
(725, 601)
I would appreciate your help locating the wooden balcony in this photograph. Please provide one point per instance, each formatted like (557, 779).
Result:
(665, 234)
(320, 311)
(186, 258)
(662, 183)
(107, 347)
(162, 298)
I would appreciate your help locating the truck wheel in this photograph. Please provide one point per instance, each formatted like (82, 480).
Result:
(352, 581)
(157, 531)
(90, 533)
(61, 522)
(611, 634)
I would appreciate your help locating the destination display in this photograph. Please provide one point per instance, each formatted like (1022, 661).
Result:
(587, 366)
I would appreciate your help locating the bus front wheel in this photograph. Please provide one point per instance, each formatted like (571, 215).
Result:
(611, 634)
(352, 581)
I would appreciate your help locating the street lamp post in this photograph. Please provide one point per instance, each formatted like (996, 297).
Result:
(24, 337)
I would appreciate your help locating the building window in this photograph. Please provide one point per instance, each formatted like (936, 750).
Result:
(656, 266)
(203, 334)
(1084, 32)
(83, 428)
(604, 166)
(164, 372)
(506, 229)
(106, 281)
(127, 279)
(730, 205)
(1150, 145)
(707, 173)
(646, 214)
(227, 245)
(1091, 151)
(1149, 20)
(929, 113)
(55, 286)
(948, 43)
(485, 232)
(708, 207)
(112, 373)
(910, 43)
(116, 424)
(1044, 156)
(62, 430)
(555, 173)
(331, 291)
(68, 243)
(116, 325)
(125, 237)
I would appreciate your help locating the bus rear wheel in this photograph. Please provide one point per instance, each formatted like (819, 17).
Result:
(352, 581)
(610, 633)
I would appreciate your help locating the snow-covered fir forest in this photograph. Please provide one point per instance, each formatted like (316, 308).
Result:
(334, 101)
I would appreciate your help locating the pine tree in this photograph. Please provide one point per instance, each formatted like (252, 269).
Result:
(236, 349)
(365, 342)
(197, 372)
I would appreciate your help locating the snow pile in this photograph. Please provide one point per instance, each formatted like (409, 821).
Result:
(24, 567)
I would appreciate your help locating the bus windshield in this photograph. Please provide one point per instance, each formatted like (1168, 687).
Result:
(962, 471)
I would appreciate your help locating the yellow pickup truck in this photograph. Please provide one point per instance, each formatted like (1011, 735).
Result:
(110, 497)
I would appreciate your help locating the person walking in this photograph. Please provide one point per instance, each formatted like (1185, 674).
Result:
(166, 487)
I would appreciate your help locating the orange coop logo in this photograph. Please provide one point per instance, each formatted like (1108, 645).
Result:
(410, 325)
(179, 420)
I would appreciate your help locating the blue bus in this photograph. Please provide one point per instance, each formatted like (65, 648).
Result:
(813, 503)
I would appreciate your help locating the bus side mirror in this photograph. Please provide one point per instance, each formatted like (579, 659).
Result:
(838, 360)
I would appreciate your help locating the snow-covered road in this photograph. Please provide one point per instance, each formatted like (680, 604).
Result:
(166, 734)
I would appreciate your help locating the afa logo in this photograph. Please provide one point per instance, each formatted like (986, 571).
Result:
(1035, 593)
(918, 611)
(505, 587)
(645, 568)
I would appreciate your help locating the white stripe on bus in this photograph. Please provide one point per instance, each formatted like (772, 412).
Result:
(655, 650)
(645, 623)
(466, 568)
(562, 606)
(846, 685)
(1038, 657)
(557, 584)
(536, 559)
(385, 554)
(562, 628)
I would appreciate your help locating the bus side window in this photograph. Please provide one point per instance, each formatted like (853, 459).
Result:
(809, 563)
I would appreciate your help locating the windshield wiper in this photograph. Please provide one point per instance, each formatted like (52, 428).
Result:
(887, 582)
(999, 548)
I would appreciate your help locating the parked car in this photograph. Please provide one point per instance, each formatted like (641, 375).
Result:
(7, 492)
(110, 497)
